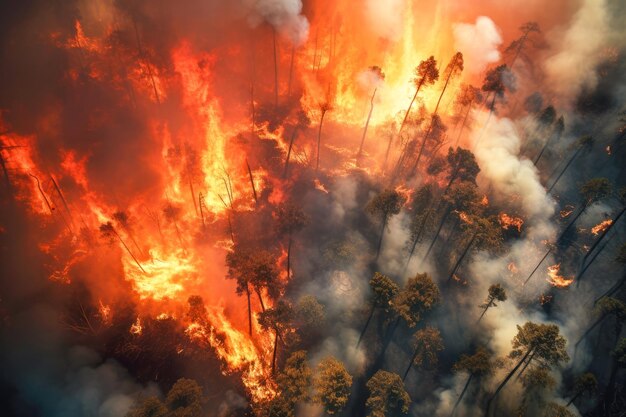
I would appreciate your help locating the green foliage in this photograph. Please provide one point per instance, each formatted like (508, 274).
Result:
(538, 379)
(479, 364)
(253, 267)
(388, 397)
(332, 385)
(185, 399)
(462, 196)
(462, 165)
(428, 343)
(544, 341)
(384, 290)
(419, 295)
(279, 317)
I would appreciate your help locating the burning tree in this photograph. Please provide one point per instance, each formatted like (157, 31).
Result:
(425, 73)
(538, 342)
(294, 382)
(253, 270)
(518, 45)
(279, 319)
(423, 218)
(290, 219)
(465, 99)
(185, 398)
(385, 205)
(383, 292)
(497, 81)
(332, 385)
(388, 396)
(496, 293)
(428, 343)
(376, 73)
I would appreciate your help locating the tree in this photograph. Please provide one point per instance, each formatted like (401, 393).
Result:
(454, 68)
(385, 205)
(150, 407)
(332, 385)
(185, 399)
(468, 96)
(422, 219)
(557, 132)
(383, 292)
(388, 397)
(324, 107)
(428, 343)
(618, 361)
(607, 307)
(591, 192)
(290, 219)
(584, 143)
(517, 46)
(425, 73)
(293, 382)
(496, 82)
(535, 383)
(302, 121)
(279, 319)
(253, 271)
(461, 197)
(435, 132)
(533, 342)
(585, 384)
(477, 366)
(309, 314)
(621, 258)
(107, 231)
(496, 293)
(462, 166)
(419, 295)
(377, 74)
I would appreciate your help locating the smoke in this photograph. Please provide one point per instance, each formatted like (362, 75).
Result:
(284, 15)
(386, 17)
(580, 48)
(478, 42)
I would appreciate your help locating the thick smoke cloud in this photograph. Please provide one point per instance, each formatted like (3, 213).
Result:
(386, 17)
(479, 43)
(284, 15)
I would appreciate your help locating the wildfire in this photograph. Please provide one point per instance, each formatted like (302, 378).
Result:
(557, 280)
(319, 186)
(465, 217)
(601, 227)
(512, 267)
(569, 209)
(105, 313)
(484, 201)
(136, 328)
(507, 221)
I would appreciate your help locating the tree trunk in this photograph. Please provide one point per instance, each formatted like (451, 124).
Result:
(416, 240)
(382, 234)
(408, 368)
(504, 382)
(319, 140)
(275, 69)
(574, 398)
(458, 401)
(604, 233)
(573, 157)
(460, 260)
(432, 243)
(367, 323)
(274, 352)
(289, 258)
(291, 140)
(593, 258)
(469, 107)
(258, 293)
(249, 311)
(388, 337)
(571, 223)
(590, 329)
(613, 289)
(367, 122)
(487, 307)
(525, 366)
(406, 115)
(538, 265)
(7, 181)
(251, 182)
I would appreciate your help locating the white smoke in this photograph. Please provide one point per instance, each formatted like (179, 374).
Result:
(284, 15)
(478, 42)
(386, 17)
(580, 49)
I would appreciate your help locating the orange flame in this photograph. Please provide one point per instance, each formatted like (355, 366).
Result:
(569, 209)
(557, 280)
(507, 221)
(601, 227)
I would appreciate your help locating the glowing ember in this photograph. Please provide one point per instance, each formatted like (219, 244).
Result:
(513, 268)
(507, 221)
(319, 186)
(484, 201)
(545, 299)
(465, 217)
(557, 280)
(136, 328)
(105, 313)
(569, 209)
(601, 227)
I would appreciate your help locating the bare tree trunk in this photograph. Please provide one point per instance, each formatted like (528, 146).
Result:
(590, 329)
(593, 258)
(274, 352)
(462, 257)
(574, 398)
(367, 323)
(367, 122)
(416, 240)
(408, 368)
(469, 107)
(565, 168)
(258, 293)
(249, 311)
(382, 234)
(432, 243)
(251, 181)
(489, 304)
(469, 380)
(319, 140)
(406, 115)
(571, 223)
(504, 382)
(291, 140)
(538, 265)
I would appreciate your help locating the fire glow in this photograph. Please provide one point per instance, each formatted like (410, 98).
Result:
(557, 280)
